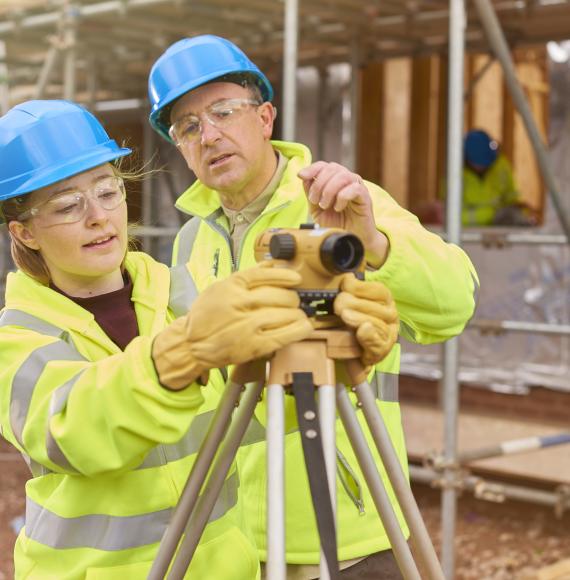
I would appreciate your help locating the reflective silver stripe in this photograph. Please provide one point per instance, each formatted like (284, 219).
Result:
(385, 387)
(188, 445)
(183, 290)
(227, 498)
(28, 375)
(186, 237)
(58, 401)
(56, 454)
(37, 469)
(111, 533)
(59, 396)
(476, 288)
(20, 318)
(255, 432)
(407, 331)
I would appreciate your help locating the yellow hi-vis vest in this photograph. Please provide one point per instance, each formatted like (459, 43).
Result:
(484, 195)
(434, 285)
(110, 449)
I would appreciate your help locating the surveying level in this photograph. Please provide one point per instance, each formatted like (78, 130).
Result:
(320, 255)
(307, 371)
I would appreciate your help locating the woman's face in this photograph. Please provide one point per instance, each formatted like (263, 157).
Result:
(84, 257)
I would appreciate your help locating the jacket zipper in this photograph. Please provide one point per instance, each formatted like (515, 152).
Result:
(218, 228)
(349, 482)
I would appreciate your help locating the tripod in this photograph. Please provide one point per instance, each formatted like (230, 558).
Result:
(301, 367)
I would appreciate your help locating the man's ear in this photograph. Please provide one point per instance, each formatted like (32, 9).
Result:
(23, 234)
(267, 115)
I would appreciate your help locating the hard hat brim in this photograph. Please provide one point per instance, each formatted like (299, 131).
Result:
(102, 154)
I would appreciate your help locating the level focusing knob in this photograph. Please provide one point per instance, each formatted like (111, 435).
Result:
(282, 247)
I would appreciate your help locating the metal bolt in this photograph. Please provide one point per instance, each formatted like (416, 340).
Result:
(311, 434)
(309, 415)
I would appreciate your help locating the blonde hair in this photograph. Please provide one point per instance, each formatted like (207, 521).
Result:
(31, 261)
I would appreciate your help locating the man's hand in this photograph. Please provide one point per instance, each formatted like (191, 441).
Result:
(368, 308)
(338, 198)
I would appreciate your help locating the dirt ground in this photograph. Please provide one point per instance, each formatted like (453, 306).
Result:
(13, 475)
(499, 541)
(493, 541)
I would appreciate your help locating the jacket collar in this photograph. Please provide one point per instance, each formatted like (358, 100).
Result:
(201, 201)
(150, 292)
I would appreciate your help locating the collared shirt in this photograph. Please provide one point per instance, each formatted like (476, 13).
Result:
(239, 220)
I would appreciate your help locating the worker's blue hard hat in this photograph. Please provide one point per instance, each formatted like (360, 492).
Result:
(43, 142)
(480, 149)
(190, 63)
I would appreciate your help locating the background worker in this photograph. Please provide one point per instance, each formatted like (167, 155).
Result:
(214, 104)
(97, 390)
(490, 194)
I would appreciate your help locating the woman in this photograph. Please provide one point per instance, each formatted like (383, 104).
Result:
(97, 390)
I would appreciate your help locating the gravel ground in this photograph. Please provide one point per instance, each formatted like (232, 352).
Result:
(493, 541)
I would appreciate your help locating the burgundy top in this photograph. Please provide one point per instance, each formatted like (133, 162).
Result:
(114, 312)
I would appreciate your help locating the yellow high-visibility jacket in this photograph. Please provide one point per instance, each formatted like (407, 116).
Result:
(434, 286)
(109, 448)
(484, 195)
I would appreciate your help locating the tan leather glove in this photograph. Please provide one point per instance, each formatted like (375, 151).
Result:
(368, 307)
(247, 316)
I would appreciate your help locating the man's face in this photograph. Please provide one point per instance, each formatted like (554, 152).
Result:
(233, 159)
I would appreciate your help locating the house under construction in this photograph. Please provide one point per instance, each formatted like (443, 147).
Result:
(388, 88)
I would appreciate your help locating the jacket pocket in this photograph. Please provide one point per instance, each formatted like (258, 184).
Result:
(227, 556)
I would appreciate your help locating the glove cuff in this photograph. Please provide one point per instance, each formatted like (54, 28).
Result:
(175, 372)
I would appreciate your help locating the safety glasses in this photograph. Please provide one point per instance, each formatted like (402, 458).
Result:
(221, 115)
(71, 206)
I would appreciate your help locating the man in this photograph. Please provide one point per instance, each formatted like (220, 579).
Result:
(490, 195)
(210, 100)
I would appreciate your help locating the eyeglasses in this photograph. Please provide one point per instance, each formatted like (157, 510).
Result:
(71, 206)
(220, 115)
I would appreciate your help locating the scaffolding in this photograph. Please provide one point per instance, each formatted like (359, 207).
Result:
(85, 50)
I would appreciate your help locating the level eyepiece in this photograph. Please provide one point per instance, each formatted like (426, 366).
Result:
(342, 253)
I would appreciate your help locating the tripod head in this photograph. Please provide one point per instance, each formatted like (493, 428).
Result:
(321, 255)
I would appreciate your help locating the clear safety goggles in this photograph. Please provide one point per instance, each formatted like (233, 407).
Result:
(71, 206)
(220, 115)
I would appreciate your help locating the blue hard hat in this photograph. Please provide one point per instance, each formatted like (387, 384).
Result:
(480, 149)
(43, 142)
(190, 63)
